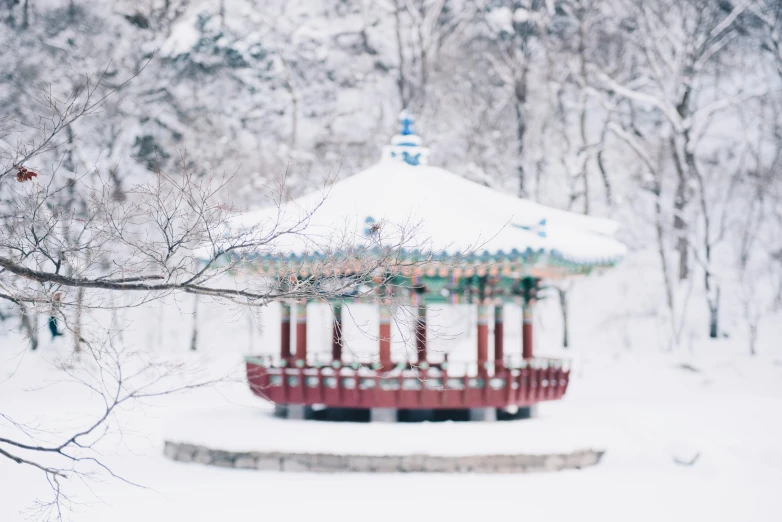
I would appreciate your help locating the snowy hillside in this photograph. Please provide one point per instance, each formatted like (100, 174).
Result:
(555, 101)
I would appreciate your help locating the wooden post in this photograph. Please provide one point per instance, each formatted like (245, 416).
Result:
(483, 337)
(385, 337)
(301, 331)
(526, 332)
(499, 338)
(336, 333)
(420, 334)
(285, 333)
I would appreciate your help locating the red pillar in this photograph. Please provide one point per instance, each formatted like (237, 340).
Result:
(499, 339)
(385, 337)
(285, 333)
(483, 337)
(301, 331)
(420, 334)
(336, 334)
(526, 332)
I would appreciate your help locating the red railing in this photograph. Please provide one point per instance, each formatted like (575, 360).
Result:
(407, 387)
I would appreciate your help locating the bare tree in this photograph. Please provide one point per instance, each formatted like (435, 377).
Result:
(513, 59)
(69, 246)
(678, 41)
(680, 44)
(421, 29)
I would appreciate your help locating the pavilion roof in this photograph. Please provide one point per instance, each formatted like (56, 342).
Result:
(432, 213)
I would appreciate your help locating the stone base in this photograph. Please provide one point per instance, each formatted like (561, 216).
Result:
(424, 415)
(483, 414)
(382, 415)
(299, 412)
(527, 412)
(418, 463)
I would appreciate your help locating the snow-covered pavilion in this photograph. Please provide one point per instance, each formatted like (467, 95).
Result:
(453, 241)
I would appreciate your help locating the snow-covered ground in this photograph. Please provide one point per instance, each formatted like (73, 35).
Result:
(648, 408)
(646, 411)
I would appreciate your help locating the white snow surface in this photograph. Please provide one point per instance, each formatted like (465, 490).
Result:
(445, 213)
(240, 429)
(628, 395)
(642, 408)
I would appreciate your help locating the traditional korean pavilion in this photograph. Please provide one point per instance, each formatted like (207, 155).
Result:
(476, 246)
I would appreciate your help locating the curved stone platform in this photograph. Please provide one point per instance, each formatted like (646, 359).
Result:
(332, 463)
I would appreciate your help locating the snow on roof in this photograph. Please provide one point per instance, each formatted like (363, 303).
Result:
(447, 213)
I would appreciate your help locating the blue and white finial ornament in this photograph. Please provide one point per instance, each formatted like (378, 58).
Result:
(406, 146)
(407, 123)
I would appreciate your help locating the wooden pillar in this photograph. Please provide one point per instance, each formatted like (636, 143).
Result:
(499, 339)
(336, 333)
(385, 337)
(301, 331)
(420, 334)
(285, 333)
(526, 332)
(483, 337)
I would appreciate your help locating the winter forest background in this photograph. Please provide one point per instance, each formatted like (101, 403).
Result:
(663, 115)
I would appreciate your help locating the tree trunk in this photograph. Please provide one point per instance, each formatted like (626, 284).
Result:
(68, 160)
(563, 306)
(714, 312)
(602, 168)
(712, 290)
(25, 14)
(679, 224)
(423, 66)
(401, 79)
(521, 130)
(77, 320)
(713, 321)
(681, 246)
(666, 272)
(584, 169)
(663, 258)
(30, 327)
(685, 169)
(582, 120)
(194, 337)
(753, 337)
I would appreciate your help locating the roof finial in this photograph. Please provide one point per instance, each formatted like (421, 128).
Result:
(406, 146)
(407, 123)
